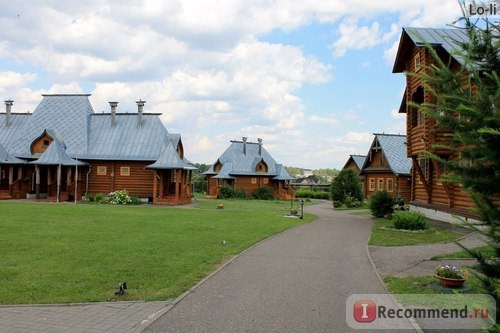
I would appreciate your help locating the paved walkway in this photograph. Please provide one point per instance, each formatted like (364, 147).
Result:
(297, 281)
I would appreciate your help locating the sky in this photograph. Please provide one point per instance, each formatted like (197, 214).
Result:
(312, 78)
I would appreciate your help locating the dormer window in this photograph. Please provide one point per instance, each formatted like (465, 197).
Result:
(46, 143)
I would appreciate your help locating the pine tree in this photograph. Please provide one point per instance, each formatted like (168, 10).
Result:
(467, 104)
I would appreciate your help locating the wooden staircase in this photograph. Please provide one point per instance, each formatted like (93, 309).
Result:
(5, 195)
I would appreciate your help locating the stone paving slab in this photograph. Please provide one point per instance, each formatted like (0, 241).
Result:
(116, 317)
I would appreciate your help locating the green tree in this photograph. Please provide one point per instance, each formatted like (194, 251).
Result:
(346, 185)
(467, 104)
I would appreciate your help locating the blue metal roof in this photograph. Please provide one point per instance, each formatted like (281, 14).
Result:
(241, 158)
(55, 154)
(87, 135)
(394, 150)
(359, 160)
(125, 140)
(9, 134)
(449, 39)
(169, 159)
(66, 115)
(6, 158)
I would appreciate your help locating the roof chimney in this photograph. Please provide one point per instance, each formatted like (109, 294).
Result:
(8, 108)
(260, 146)
(113, 113)
(244, 145)
(140, 108)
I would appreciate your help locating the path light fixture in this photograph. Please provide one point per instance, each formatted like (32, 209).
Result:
(301, 209)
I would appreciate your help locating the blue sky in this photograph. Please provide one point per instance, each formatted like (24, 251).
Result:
(313, 79)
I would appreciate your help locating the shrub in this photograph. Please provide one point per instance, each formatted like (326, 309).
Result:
(96, 197)
(301, 193)
(346, 184)
(351, 202)
(381, 203)
(409, 220)
(119, 198)
(263, 193)
(227, 192)
(135, 200)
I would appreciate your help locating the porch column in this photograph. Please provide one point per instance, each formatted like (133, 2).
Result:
(155, 184)
(11, 178)
(59, 171)
(37, 182)
(162, 183)
(49, 181)
(177, 190)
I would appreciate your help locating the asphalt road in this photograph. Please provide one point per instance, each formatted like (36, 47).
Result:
(297, 281)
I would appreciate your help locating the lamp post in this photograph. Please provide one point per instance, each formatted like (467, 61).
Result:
(301, 209)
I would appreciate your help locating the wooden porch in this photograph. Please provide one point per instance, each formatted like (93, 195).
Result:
(172, 187)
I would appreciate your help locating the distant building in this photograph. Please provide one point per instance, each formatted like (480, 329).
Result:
(64, 149)
(247, 166)
(386, 167)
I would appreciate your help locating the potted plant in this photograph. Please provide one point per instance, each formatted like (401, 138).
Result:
(450, 276)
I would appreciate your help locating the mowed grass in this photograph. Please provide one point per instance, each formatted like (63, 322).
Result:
(384, 235)
(62, 253)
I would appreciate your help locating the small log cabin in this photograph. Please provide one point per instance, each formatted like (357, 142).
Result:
(355, 162)
(247, 165)
(386, 167)
(64, 150)
(428, 192)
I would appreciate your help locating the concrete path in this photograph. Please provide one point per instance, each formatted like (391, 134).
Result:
(118, 317)
(297, 281)
(415, 259)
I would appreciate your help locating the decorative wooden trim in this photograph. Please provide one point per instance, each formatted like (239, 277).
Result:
(421, 175)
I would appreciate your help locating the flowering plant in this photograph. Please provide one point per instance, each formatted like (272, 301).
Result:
(119, 198)
(451, 272)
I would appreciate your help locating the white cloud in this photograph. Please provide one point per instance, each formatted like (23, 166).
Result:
(203, 64)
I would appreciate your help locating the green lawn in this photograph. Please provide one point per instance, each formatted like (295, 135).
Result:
(487, 251)
(384, 236)
(59, 253)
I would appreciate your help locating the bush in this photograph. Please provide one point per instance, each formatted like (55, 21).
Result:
(346, 184)
(301, 193)
(119, 198)
(409, 220)
(263, 193)
(381, 203)
(96, 197)
(227, 192)
(351, 202)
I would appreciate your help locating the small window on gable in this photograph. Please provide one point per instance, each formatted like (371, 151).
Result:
(101, 170)
(124, 171)
(46, 143)
(261, 167)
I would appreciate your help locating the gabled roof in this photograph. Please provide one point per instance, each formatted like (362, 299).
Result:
(9, 134)
(169, 159)
(66, 115)
(240, 158)
(6, 158)
(393, 147)
(87, 135)
(125, 140)
(55, 154)
(359, 160)
(419, 37)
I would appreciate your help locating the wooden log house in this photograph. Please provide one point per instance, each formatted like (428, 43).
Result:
(64, 150)
(386, 167)
(247, 165)
(428, 192)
